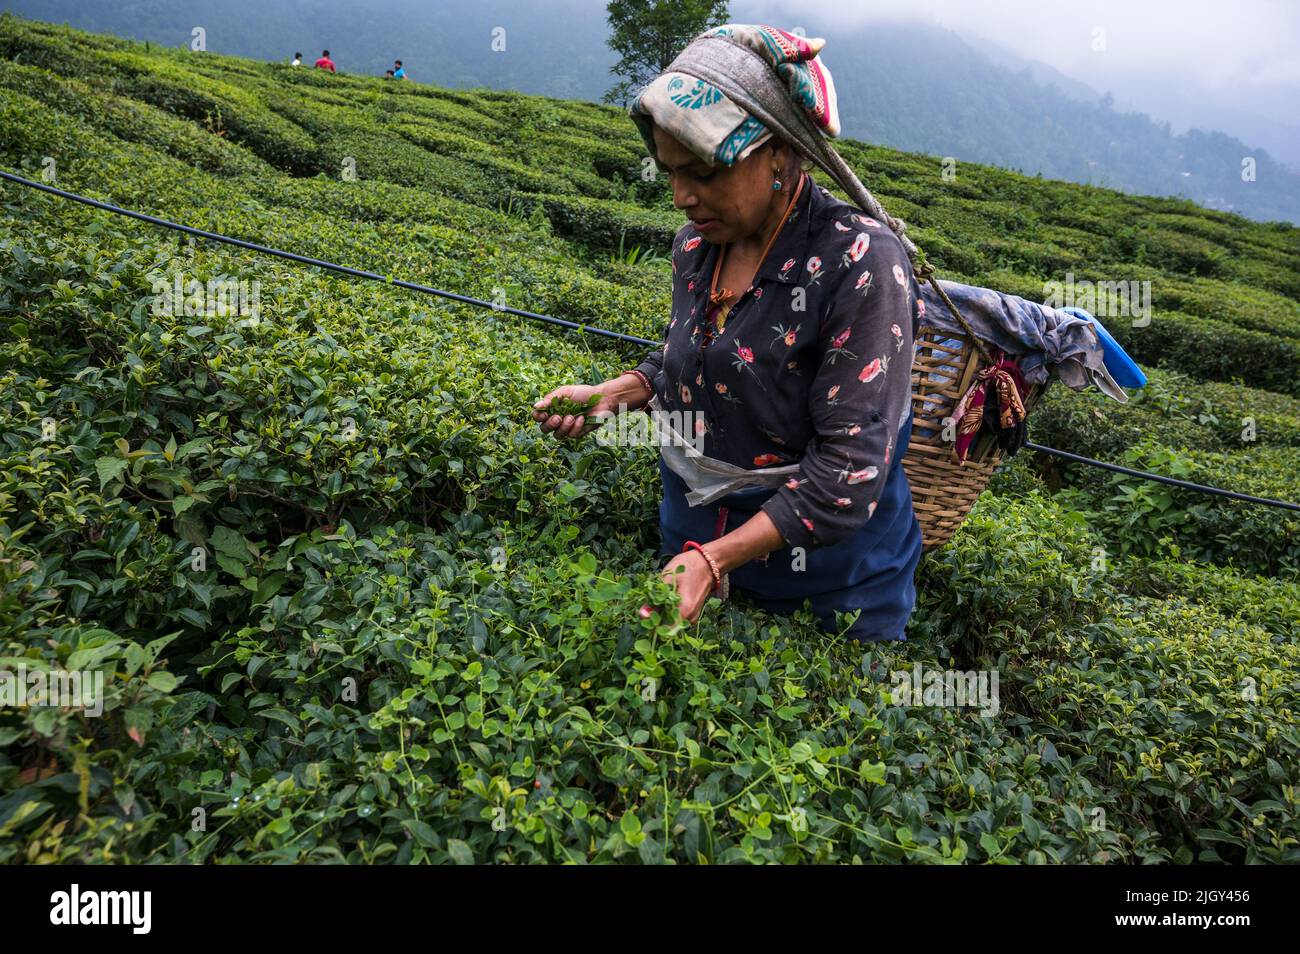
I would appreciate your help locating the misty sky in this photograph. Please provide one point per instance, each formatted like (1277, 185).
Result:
(1177, 59)
(1239, 47)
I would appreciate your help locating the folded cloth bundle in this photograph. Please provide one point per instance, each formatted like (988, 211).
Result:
(1043, 340)
(1000, 390)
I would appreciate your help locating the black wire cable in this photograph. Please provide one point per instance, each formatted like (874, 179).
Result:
(586, 329)
(320, 263)
(1164, 480)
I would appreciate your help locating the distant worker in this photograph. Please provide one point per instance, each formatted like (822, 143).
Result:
(398, 72)
(297, 60)
(388, 74)
(325, 63)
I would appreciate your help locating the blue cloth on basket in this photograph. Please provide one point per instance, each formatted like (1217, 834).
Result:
(1122, 368)
(1067, 342)
(1041, 339)
(873, 570)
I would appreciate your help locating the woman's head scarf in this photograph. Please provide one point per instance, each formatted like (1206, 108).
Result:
(706, 121)
(734, 87)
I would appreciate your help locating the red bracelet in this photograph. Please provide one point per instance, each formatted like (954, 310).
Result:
(713, 566)
(644, 380)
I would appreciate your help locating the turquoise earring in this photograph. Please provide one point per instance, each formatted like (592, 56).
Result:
(776, 183)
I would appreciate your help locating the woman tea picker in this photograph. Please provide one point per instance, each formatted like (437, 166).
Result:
(789, 351)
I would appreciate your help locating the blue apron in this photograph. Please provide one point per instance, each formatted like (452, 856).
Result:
(873, 570)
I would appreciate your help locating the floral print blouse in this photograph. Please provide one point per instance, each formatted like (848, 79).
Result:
(812, 364)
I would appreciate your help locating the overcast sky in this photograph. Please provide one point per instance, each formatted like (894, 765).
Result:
(1241, 52)
(1236, 44)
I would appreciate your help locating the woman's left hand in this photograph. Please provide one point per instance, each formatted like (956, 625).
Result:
(694, 583)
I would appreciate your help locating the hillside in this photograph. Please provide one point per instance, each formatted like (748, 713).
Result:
(909, 85)
(353, 606)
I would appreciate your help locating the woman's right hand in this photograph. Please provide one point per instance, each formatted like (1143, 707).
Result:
(569, 427)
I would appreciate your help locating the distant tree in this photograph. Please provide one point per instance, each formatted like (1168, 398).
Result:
(648, 35)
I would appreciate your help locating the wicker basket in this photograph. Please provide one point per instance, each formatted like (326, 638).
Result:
(943, 490)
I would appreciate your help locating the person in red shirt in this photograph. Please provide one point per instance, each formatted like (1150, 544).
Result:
(325, 63)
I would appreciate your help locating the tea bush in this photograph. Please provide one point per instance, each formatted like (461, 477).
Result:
(1244, 305)
(1175, 410)
(1213, 349)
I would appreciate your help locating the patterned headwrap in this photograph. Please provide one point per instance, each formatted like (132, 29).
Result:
(710, 124)
(756, 80)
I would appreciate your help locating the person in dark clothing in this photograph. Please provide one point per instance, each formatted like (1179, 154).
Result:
(789, 348)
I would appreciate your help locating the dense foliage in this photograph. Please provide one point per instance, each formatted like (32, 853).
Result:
(351, 605)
